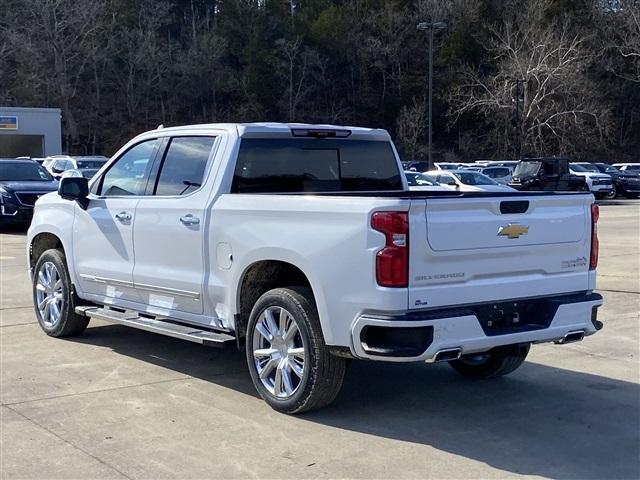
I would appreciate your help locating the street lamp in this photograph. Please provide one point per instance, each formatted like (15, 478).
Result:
(431, 27)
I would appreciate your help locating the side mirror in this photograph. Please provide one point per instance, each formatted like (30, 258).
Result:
(452, 183)
(74, 188)
(56, 170)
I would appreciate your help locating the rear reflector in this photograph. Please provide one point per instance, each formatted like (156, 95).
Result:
(392, 262)
(595, 244)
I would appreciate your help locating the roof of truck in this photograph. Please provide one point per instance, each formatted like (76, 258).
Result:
(256, 129)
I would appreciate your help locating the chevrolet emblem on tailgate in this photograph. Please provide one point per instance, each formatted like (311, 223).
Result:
(513, 230)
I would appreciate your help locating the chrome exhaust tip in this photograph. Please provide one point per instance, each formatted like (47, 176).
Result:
(571, 337)
(447, 355)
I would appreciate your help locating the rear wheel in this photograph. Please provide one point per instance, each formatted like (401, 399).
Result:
(494, 363)
(290, 365)
(53, 296)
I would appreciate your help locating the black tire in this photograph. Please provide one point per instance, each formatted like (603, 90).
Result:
(495, 363)
(69, 323)
(323, 372)
(612, 194)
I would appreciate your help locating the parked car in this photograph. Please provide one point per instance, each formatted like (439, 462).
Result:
(421, 182)
(22, 182)
(416, 166)
(600, 184)
(448, 165)
(87, 165)
(628, 167)
(551, 174)
(497, 163)
(51, 159)
(505, 163)
(626, 184)
(40, 160)
(501, 175)
(303, 246)
(468, 181)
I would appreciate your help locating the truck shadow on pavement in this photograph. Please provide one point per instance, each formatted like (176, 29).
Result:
(539, 421)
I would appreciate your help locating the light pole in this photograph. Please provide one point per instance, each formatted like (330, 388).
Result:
(431, 27)
(516, 121)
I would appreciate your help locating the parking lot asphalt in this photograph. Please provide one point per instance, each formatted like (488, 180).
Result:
(122, 403)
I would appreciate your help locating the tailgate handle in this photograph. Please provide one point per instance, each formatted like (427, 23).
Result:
(517, 206)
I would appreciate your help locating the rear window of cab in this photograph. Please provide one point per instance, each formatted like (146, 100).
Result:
(315, 165)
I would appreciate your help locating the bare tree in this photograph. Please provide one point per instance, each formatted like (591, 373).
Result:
(539, 84)
(143, 55)
(410, 128)
(622, 30)
(296, 59)
(62, 38)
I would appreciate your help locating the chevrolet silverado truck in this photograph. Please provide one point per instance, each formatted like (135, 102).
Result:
(303, 246)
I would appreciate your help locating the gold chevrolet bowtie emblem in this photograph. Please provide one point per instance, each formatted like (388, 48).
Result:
(513, 230)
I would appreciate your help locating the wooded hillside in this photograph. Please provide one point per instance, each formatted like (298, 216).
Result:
(561, 76)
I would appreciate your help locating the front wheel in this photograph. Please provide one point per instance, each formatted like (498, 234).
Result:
(53, 296)
(290, 364)
(494, 363)
(612, 194)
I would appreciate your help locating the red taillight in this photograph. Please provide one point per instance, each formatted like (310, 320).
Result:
(595, 244)
(392, 262)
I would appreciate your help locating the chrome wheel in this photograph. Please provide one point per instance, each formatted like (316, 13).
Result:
(278, 352)
(612, 194)
(49, 294)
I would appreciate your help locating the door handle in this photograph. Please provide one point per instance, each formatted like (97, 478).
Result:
(123, 216)
(189, 219)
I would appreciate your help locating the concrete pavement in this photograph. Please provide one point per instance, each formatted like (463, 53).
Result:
(121, 403)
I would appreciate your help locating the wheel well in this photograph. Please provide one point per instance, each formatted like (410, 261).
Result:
(41, 243)
(260, 278)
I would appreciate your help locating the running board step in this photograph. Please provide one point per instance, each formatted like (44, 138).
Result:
(163, 327)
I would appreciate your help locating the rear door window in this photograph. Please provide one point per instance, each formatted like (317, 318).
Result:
(183, 166)
(315, 165)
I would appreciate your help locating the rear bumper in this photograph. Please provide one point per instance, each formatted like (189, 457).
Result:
(473, 328)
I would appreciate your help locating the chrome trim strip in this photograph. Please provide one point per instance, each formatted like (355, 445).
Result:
(110, 281)
(141, 286)
(173, 291)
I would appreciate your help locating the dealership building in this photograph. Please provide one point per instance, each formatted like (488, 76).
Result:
(30, 132)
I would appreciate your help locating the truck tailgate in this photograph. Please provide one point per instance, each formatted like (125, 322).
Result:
(480, 249)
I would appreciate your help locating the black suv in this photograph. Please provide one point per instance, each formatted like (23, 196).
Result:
(22, 182)
(546, 173)
(624, 183)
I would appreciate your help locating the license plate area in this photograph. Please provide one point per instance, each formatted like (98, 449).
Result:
(516, 316)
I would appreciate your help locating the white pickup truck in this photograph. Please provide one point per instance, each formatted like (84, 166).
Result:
(303, 245)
